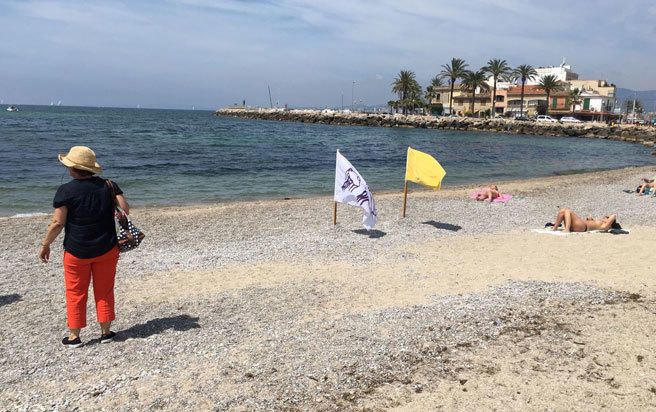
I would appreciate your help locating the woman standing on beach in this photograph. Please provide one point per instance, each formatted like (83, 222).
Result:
(84, 208)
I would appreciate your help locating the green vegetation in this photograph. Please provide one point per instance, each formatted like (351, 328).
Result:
(405, 85)
(454, 71)
(524, 72)
(472, 81)
(432, 92)
(629, 106)
(550, 84)
(498, 69)
(574, 98)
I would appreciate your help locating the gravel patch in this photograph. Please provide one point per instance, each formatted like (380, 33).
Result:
(259, 348)
(252, 349)
(215, 236)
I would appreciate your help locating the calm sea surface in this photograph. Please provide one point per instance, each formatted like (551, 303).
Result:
(164, 157)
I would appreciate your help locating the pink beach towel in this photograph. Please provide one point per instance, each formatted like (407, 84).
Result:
(503, 198)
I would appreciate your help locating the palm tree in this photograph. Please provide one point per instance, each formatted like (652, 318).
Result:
(472, 81)
(550, 83)
(509, 77)
(574, 98)
(393, 105)
(632, 105)
(498, 69)
(414, 98)
(453, 72)
(524, 72)
(403, 85)
(432, 89)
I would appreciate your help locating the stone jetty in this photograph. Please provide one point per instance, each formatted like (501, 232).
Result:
(636, 134)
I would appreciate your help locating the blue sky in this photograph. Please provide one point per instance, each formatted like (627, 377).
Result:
(203, 53)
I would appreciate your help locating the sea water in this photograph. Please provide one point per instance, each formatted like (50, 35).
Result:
(177, 157)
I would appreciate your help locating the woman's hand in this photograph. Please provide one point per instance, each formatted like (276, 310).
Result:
(54, 228)
(44, 253)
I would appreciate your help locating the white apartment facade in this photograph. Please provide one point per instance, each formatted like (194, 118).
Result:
(563, 73)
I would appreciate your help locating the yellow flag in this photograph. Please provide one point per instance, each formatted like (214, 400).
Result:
(422, 168)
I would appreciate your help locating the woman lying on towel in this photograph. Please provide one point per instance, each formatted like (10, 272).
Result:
(648, 184)
(573, 223)
(488, 193)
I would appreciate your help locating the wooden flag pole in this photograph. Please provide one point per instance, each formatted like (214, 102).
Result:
(334, 213)
(405, 196)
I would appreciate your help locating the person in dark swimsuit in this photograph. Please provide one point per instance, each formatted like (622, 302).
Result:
(573, 223)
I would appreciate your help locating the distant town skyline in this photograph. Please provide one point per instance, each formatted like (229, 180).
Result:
(207, 54)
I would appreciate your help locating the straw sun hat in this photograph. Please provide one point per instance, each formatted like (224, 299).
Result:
(82, 158)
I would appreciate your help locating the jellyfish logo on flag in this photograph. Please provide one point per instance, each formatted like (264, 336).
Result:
(351, 176)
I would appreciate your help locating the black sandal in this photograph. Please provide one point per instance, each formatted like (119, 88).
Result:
(75, 343)
(107, 337)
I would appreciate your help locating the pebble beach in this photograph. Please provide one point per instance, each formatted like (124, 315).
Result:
(265, 305)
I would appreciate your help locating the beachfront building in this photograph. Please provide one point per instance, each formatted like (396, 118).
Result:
(596, 100)
(535, 101)
(501, 103)
(461, 101)
(563, 73)
(594, 106)
(602, 87)
(597, 97)
(591, 101)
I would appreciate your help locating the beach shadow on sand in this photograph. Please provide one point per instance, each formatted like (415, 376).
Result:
(9, 299)
(372, 234)
(445, 226)
(180, 323)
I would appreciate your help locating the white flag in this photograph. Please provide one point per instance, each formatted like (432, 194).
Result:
(350, 188)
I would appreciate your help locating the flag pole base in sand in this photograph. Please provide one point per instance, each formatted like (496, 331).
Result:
(405, 198)
(334, 213)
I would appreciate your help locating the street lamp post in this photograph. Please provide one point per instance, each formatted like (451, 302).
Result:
(352, 95)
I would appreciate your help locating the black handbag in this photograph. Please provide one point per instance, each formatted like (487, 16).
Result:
(128, 235)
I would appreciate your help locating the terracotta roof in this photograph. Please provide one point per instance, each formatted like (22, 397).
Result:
(528, 90)
(533, 90)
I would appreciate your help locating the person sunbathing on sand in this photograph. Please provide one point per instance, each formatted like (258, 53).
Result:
(573, 223)
(648, 184)
(488, 193)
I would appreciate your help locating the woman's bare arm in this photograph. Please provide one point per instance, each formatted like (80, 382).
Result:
(608, 223)
(123, 203)
(54, 229)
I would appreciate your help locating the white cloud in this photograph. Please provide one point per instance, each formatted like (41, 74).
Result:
(87, 14)
(309, 51)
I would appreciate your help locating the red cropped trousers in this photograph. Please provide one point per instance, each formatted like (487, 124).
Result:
(77, 275)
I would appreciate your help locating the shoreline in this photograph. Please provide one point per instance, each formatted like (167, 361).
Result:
(629, 133)
(446, 191)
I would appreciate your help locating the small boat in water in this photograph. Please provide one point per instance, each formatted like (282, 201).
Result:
(12, 109)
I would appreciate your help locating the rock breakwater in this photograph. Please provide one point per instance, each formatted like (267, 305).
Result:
(629, 133)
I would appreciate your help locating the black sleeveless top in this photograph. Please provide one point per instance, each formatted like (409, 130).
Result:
(89, 230)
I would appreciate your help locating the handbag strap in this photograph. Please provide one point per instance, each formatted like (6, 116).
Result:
(113, 192)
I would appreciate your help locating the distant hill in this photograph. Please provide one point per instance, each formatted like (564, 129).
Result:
(647, 97)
